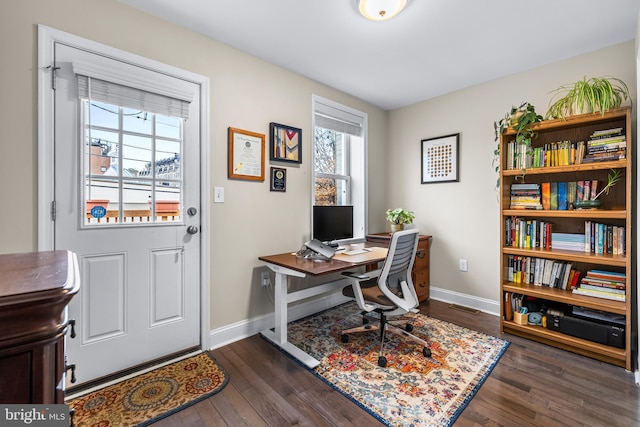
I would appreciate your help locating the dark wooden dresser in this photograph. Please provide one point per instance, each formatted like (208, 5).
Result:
(35, 289)
(420, 272)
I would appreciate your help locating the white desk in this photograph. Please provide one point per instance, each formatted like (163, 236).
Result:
(288, 265)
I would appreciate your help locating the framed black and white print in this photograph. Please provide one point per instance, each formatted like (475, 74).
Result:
(278, 179)
(440, 159)
(285, 143)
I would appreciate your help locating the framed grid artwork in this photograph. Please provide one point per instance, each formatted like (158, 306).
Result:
(440, 159)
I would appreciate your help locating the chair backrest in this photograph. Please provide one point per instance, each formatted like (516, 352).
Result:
(395, 278)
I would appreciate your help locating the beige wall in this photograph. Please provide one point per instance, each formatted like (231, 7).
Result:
(246, 93)
(463, 217)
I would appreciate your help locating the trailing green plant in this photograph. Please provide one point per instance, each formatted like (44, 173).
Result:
(597, 94)
(520, 119)
(400, 216)
(612, 179)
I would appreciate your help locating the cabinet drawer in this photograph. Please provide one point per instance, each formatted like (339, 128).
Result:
(422, 256)
(421, 284)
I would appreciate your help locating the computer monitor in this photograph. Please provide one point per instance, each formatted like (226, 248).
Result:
(331, 223)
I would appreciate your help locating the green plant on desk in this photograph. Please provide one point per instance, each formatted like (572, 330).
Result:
(400, 216)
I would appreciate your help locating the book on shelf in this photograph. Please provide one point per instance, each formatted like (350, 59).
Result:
(545, 189)
(599, 294)
(580, 190)
(568, 241)
(604, 274)
(554, 196)
(605, 133)
(605, 157)
(571, 193)
(594, 189)
(586, 195)
(580, 150)
(562, 196)
(601, 288)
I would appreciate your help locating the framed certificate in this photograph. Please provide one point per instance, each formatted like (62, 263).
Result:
(246, 155)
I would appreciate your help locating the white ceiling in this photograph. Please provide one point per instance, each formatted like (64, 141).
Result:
(433, 47)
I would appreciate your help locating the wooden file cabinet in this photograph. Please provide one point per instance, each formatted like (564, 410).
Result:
(420, 273)
(35, 289)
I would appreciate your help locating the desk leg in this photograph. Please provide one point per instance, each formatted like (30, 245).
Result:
(279, 335)
(281, 308)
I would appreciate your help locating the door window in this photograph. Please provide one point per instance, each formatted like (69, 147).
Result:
(132, 165)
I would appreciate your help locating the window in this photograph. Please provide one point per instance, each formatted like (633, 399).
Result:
(133, 143)
(339, 159)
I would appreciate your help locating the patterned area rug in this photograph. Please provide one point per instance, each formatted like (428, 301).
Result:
(412, 390)
(146, 398)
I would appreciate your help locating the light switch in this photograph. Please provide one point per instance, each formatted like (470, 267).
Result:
(218, 195)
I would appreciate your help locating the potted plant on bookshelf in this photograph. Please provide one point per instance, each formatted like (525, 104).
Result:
(520, 119)
(398, 217)
(612, 179)
(597, 94)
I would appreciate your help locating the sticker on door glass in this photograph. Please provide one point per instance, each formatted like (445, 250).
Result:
(98, 211)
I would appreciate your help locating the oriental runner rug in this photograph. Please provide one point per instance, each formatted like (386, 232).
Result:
(412, 390)
(151, 396)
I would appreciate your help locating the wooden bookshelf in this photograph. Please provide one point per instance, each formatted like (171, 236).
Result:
(615, 210)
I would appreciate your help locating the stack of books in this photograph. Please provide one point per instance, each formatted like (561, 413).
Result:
(603, 284)
(568, 241)
(606, 145)
(525, 196)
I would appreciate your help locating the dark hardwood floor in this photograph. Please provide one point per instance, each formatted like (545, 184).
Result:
(532, 385)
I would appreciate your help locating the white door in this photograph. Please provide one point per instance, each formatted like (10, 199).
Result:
(127, 202)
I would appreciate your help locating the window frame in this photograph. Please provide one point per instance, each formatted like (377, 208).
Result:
(357, 169)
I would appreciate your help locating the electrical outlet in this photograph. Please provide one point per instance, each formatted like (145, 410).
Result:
(463, 265)
(265, 279)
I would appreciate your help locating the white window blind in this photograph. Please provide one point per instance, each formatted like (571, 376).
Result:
(340, 120)
(125, 96)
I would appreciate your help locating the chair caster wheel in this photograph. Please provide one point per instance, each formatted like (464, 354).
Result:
(426, 352)
(344, 338)
(408, 327)
(382, 361)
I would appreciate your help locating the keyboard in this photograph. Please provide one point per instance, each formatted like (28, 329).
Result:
(356, 251)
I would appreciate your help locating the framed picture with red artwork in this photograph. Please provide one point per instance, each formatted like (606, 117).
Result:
(285, 143)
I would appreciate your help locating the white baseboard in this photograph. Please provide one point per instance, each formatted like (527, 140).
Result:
(481, 304)
(228, 334)
(246, 328)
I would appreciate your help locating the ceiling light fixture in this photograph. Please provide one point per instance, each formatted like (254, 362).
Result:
(381, 10)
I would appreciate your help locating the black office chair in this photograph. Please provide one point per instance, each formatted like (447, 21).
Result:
(389, 292)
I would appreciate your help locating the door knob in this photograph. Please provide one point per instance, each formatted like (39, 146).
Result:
(192, 229)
